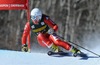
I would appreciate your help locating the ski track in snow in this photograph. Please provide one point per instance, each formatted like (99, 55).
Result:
(23, 58)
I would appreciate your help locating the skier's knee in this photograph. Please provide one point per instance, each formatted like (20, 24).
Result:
(56, 42)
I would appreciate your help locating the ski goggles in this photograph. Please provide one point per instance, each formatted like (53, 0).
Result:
(36, 17)
(33, 17)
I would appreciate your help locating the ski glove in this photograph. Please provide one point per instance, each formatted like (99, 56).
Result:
(25, 48)
(50, 31)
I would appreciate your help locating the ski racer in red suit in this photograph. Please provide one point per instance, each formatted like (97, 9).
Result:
(45, 30)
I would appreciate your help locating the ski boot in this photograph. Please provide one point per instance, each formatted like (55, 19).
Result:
(76, 52)
(54, 50)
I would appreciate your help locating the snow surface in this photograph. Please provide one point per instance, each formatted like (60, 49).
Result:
(23, 58)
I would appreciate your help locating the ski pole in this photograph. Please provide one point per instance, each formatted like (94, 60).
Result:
(83, 48)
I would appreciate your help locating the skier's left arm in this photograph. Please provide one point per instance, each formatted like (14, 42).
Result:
(51, 24)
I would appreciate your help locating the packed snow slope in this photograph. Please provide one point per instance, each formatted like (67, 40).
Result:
(23, 58)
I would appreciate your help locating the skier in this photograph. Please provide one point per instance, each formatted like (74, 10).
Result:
(45, 29)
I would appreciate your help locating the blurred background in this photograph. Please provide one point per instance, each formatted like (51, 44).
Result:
(78, 21)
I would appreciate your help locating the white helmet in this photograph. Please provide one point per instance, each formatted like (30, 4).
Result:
(36, 14)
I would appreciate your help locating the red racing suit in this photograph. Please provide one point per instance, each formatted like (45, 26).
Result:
(43, 37)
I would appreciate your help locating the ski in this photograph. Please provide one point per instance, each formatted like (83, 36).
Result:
(51, 53)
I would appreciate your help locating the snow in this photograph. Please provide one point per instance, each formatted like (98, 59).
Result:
(8, 57)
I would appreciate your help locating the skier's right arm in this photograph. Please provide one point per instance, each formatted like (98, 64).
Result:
(25, 36)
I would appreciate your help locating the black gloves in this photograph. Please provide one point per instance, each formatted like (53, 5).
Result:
(25, 48)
